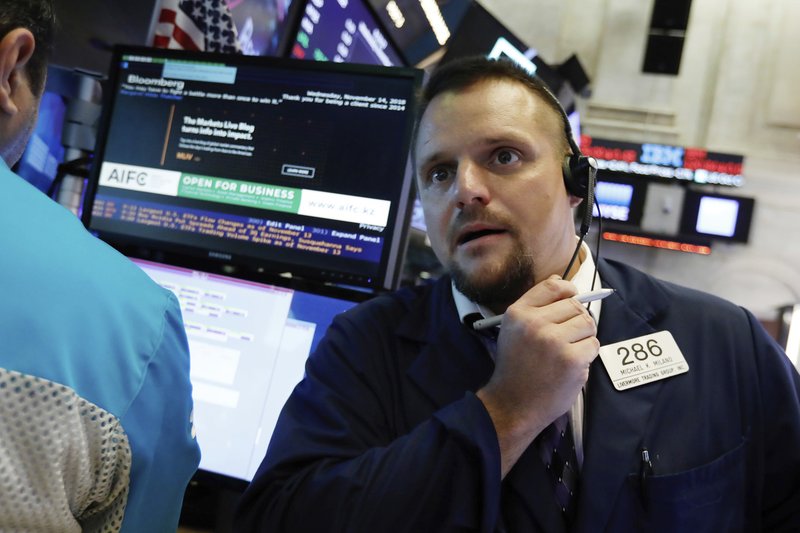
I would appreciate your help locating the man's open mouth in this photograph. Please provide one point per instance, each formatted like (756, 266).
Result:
(472, 235)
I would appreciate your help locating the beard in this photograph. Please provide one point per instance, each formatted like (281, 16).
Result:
(500, 287)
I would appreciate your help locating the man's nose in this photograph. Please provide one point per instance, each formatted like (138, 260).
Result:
(471, 185)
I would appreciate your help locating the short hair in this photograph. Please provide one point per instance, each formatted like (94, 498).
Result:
(37, 16)
(464, 72)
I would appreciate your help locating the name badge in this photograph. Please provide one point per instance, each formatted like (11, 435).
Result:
(643, 360)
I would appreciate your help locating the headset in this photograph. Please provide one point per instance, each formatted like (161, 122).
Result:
(580, 178)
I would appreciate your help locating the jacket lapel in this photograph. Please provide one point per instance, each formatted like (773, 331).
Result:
(452, 359)
(615, 422)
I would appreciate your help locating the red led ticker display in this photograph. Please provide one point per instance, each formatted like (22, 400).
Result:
(695, 165)
(657, 243)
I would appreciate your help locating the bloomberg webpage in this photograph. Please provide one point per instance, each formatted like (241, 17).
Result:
(248, 161)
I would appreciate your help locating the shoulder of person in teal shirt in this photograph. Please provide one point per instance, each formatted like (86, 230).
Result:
(76, 312)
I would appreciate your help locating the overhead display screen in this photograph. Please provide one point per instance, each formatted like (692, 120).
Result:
(342, 31)
(662, 161)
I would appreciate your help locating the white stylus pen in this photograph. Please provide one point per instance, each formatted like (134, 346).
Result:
(584, 298)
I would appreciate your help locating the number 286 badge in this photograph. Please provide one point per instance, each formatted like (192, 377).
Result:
(643, 360)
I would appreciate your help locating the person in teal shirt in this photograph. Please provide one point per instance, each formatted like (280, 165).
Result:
(95, 399)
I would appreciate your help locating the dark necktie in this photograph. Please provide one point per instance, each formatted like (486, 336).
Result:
(557, 450)
(489, 333)
(555, 443)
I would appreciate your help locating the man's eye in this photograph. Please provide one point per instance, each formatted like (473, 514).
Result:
(506, 157)
(439, 174)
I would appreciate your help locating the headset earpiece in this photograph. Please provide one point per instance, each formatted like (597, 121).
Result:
(580, 176)
(579, 172)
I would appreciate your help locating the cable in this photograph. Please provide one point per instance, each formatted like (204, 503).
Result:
(596, 251)
(583, 231)
(574, 256)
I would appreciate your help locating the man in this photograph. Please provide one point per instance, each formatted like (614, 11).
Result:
(95, 400)
(410, 420)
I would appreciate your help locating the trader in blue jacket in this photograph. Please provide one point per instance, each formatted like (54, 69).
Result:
(95, 400)
(410, 419)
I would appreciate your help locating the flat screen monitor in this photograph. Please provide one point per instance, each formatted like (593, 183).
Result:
(342, 31)
(717, 216)
(249, 343)
(257, 165)
(620, 200)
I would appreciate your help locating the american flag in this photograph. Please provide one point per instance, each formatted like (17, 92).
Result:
(204, 25)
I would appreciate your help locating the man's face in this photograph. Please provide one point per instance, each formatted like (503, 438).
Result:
(488, 165)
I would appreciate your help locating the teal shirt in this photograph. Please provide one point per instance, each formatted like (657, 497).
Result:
(76, 312)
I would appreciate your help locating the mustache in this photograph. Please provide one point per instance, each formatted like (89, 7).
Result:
(466, 217)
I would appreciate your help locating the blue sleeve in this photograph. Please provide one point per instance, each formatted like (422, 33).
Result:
(159, 427)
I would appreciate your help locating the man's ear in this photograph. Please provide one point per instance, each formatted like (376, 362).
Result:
(16, 48)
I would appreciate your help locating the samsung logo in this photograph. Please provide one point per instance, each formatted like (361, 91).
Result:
(220, 255)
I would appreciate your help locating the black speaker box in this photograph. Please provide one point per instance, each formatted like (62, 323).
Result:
(663, 54)
(670, 14)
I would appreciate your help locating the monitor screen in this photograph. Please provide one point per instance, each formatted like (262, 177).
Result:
(620, 199)
(274, 166)
(343, 31)
(614, 200)
(248, 343)
(717, 216)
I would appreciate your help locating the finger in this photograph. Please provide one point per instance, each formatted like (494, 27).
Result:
(584, 351)
(548, 291)
(578, 328)
(557, 312)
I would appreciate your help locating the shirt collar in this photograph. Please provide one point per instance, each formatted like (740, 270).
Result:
(582, 280)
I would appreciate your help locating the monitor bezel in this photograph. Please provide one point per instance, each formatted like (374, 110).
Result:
(691, 210)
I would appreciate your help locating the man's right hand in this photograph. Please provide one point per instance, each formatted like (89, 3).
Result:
(546, 345)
